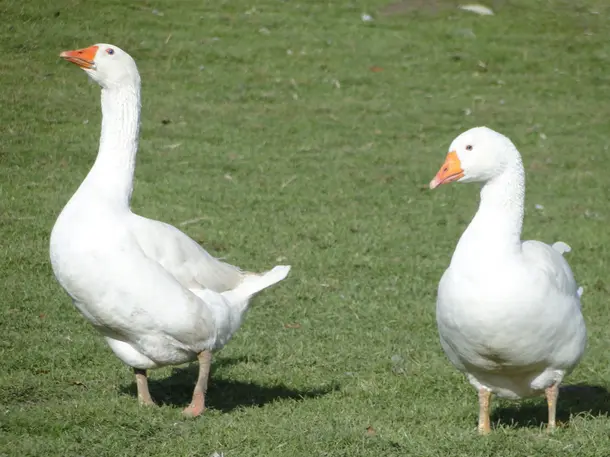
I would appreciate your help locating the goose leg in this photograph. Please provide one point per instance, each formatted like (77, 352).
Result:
(484, 421)
(551, 394)
(197, 405)
(142, 383)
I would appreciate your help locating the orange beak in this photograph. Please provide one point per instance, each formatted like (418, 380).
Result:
(84, 58)
(449, 172)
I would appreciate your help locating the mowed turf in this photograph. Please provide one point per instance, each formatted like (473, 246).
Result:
(294, 132)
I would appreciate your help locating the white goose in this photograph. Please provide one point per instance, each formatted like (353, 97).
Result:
(508, 311)
(155, 295)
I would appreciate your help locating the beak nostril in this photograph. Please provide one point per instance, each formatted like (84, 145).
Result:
(446, 168)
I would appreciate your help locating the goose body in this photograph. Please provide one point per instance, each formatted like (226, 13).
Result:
(508, 311)
(155, 294)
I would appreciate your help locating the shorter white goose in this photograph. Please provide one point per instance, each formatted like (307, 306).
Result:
(508, 311)
(155, 295)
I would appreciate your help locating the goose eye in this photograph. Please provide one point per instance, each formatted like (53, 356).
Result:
(469, 147)
(110, 51)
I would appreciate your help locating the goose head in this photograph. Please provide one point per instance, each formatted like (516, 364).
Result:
(477, 155)
(106, 64)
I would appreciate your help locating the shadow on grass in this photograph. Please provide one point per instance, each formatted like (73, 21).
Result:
(223, 394)
(573, 399)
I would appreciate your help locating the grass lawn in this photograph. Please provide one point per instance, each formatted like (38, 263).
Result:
(295, 132)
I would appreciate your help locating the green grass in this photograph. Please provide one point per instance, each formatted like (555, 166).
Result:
(283, 146)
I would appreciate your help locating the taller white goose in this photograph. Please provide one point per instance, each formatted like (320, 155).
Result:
(155, 295)
(508, 311)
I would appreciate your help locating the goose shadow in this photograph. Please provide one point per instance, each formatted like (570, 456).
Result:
(223, 394)
(573, 399)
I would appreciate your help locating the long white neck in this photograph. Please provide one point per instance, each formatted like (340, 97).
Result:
(495, 231)
(111, 176)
